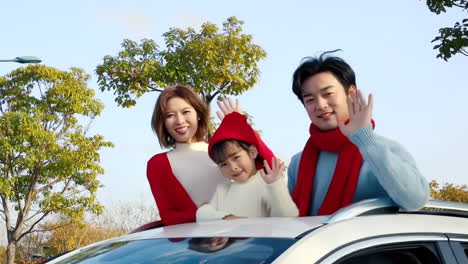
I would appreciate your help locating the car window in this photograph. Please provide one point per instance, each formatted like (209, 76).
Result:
(424, 253)
(465, 248)
(184, 250)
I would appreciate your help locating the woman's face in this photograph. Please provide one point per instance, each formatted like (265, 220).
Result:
(181, 120)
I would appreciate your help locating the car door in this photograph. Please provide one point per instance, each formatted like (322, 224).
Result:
(407, 248)
(459, 246)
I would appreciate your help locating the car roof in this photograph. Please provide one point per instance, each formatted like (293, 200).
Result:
(272, 227)
(292, 227)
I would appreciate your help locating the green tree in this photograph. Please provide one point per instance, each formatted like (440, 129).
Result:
(212, 62)
(451, 40)
(449, 192)
(47, 162)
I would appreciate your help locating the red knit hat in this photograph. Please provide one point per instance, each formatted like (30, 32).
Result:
(235, 126)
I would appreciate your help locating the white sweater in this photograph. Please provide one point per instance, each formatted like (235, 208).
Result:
(254, 198)
(197, 173)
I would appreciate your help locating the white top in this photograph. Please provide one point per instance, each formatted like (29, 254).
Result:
(254, 198)
(194, 169)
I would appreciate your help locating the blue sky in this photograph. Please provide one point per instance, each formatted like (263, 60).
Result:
(420, 101)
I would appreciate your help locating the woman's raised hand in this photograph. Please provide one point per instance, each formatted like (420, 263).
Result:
(227, 106)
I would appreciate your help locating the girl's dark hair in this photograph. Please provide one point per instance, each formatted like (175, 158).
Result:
(160, 108)
(221, 149)
(311, 66)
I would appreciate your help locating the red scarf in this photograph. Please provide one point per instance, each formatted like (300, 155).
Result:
(345, 178)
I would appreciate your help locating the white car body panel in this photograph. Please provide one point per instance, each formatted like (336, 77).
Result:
(286, 227)
(324, 240)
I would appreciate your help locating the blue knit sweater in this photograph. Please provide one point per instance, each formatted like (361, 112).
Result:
(388, 170)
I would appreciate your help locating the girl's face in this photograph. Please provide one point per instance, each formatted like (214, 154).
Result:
(239, 164)
(181, 120)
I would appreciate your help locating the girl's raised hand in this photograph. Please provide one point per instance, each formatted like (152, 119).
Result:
(274, 173)
(227, 106)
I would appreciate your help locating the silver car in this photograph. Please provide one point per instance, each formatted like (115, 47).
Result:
(371, 231)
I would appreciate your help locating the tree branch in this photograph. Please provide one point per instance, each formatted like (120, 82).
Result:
(29, 198)
(47, 186)
(211, 97)
(218, 91)
(33, 225)
(6, 210)
(59, 123)
(461, 5)
(51, 229)
(33, 216)
(155, 88)
(42, 188)
(20, 207)
(65, 186)
(40, 89)
(7, 218)
(12, 160)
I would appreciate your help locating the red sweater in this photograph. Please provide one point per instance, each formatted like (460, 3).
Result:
(174, 203)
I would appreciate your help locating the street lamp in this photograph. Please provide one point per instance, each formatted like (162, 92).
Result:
(24, 59)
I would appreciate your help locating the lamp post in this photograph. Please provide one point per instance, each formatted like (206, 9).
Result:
(24, 59)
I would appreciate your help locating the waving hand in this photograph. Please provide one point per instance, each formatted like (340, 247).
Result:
(227, 106)
(360, 112)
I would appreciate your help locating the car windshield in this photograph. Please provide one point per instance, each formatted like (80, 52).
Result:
(184, 250)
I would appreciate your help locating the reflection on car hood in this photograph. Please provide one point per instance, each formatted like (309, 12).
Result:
(286, 227)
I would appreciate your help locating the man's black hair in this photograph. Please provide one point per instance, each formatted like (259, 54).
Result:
(311, 66)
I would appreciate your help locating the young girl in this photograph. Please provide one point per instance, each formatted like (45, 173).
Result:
(183, 178)
(252, 192)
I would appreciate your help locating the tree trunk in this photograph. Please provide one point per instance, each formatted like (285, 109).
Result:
(11, 250)
(208, 102)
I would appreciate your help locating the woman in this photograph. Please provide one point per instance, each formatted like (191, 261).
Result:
(183, 178)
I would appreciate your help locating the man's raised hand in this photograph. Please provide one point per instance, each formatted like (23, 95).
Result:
(360, 112)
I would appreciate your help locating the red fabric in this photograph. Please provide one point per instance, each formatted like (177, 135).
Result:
(345, 178)
(235, 126)
(174, 203)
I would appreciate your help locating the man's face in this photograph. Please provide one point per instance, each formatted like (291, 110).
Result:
(325, 101)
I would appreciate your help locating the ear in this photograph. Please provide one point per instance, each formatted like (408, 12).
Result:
(352, 88)
(253, 152)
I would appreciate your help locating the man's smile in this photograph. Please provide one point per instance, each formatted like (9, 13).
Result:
(326, 116)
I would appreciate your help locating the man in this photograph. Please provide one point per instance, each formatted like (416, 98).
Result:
(344, 160)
